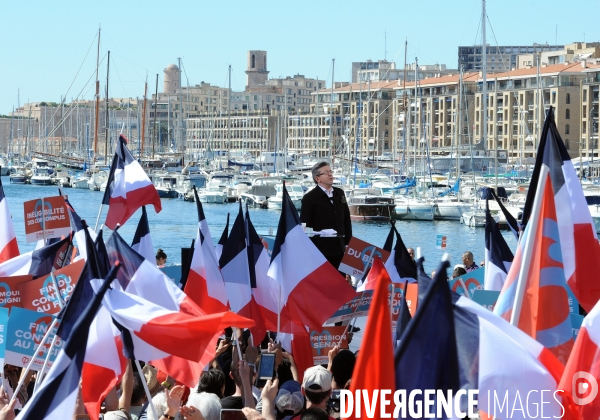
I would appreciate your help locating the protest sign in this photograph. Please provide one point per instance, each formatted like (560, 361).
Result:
(46, 218)
(486, 298)
(326, 339)
(576, 321)
(269, 244)
(9, 292)
(440, 242)
(357, 255)
(359, 306)
(472, 281)
(3, 330)
(40, 295)
(24, 333)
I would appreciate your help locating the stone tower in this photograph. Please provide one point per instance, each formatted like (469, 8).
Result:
(172, 79)
(257, 73)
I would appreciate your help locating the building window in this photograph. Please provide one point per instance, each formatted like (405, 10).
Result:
(567, 114)
(567, 129)
(567, 144)
(553, 97)
(584, 95)
(253, 65)
(568, 98)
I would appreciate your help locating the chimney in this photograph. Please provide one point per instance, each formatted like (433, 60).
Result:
(584, 64)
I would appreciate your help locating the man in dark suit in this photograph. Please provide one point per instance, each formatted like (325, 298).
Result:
(325, 207)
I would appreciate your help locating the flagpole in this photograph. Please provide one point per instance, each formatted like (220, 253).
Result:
(28, 367)
(137, 363)
(99, 213)
(40, 379)
(528, 248)
(352, 318)
(278, 313)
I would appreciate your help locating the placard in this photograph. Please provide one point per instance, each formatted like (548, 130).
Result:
(3, 331)
(357, 255)
(40, 295)
(326, 339)
(24, 333)
(46, 218)
(472, 281)
(576, 321)
(440, 242)
(9, 290)
(360, 304)
(486, 298)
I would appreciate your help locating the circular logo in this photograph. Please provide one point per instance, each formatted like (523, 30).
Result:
(38, 208)
(6, 288)
(584, 388)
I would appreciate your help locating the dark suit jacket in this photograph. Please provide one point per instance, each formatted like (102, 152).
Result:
(318, 213)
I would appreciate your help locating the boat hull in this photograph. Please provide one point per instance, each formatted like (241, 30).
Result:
(41, 181)
(214, 199)
(18, 179)
(450, 212)
(414, 212)
(371, 211)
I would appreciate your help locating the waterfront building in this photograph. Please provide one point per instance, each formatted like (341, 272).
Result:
(575, 52)
(499, 58)
(589, 107)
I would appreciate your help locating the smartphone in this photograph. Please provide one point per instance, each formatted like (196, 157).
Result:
(232, 414)
(266, 366)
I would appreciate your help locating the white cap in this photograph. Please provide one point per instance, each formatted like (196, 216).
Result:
(317, 379)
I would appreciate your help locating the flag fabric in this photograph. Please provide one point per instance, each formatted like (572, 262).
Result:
(377, 274)
(235, 267)
(128, 187)
(512, 223)
(265, 290)
(400, 265)
(39, 262)
(58, 393)
(578, 239)
(431, 336)
(404, 318)
(534, 296)
(142, 282)
(77, 227)
(311, 288)
(142, 241)
(583, 368)
(498, 256)
(222, 240)
(502, 361)
(203, 224)
(8, 240)
(205, 285)
(372, 370)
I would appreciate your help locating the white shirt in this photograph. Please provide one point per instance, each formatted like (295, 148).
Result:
(328, 192)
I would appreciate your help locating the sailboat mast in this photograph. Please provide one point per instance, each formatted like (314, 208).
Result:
(416, 136)
(484, 71)
(144, 118)
(97, 110)
(460, 121)
(229, 111)
(405, 108)
(155, 112)
(106, 125)
(331, 114)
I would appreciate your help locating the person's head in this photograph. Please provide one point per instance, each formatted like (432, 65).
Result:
(467, 258)
(212, 381)
(411, 252)
(316, 386)
(138, 395)
(314, 413)
(289, 400)
(342, 367)
(284, 371)
(161, 257)
(482, 263)
(208, 404)
(322, 174)
(458, 271)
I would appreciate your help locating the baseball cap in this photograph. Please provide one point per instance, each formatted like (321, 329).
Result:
(289, 397)
(317, 379)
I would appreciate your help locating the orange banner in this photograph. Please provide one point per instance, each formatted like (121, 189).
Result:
(9, 292)
(46, 218)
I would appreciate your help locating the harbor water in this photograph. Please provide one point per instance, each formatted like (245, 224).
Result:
(175, 226)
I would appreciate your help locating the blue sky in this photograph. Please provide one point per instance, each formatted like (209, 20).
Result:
(44, 43)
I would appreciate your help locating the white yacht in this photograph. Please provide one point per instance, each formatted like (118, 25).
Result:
(295, 192)
(413, 209)
(42, 176)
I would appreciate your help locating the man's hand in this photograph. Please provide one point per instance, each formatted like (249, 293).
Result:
(7, 409)
(251, 354)
(269, 391)
(174, 399)
(222, 347)
(191, 413)
(252, 414)
(332, 353)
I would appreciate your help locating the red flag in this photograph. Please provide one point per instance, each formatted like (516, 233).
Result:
(376, 275)
(8, 239)
(374, 365)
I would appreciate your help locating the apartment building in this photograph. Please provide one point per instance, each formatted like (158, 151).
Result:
(498, 58)
(577, 51)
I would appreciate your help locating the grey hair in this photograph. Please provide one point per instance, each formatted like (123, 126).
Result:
(317, 168)
(159, 401)
(208, 404)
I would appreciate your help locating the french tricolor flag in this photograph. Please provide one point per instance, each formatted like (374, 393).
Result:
(8, 240)
(311, 288)
(235, 267)
(582, 372)
(142, 241)
(128, 187)
(377, 274)
(205, 285)
(498, 256)
(222, 240)
(203, 224)
(78, 228)
(39, 262)
(399, 265)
